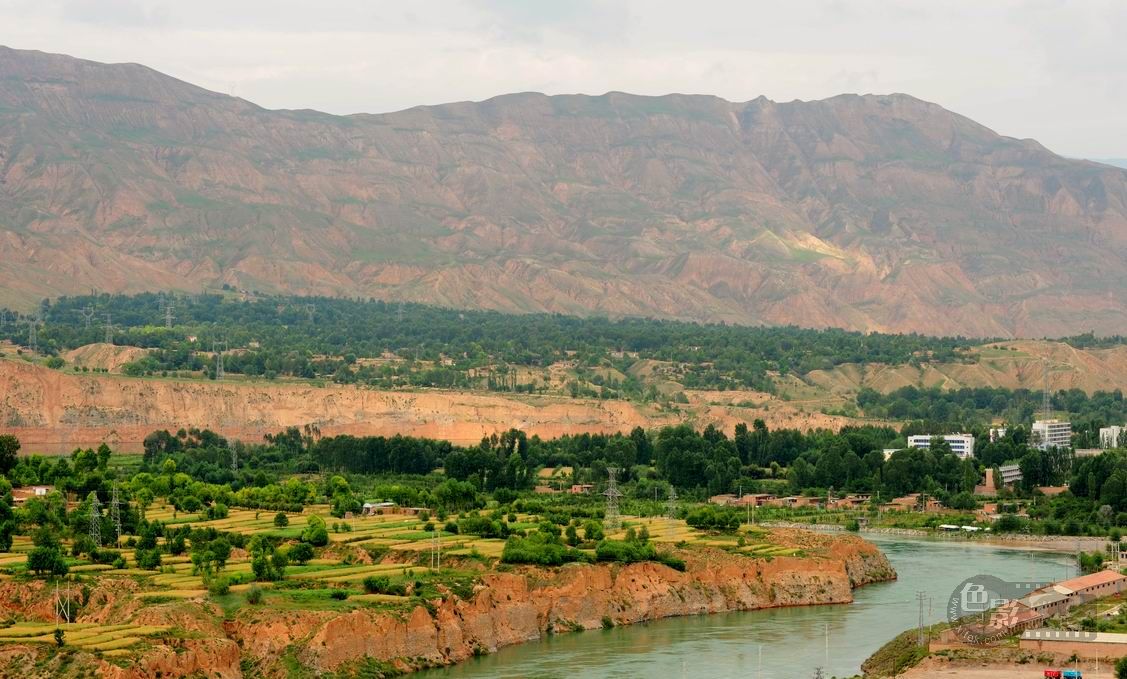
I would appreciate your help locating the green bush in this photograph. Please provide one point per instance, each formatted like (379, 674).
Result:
(381, 584)
(254, 595)
(281, 520)
(540, 549)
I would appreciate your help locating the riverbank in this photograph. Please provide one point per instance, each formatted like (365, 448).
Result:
(495, 607)
(1018, 541)
(530, 604)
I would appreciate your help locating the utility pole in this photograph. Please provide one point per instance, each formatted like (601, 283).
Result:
(612, 521)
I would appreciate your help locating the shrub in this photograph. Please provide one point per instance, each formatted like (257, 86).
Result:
(148, 559)
(254, 595)
(540, 549)
(625, 551)
(219, 586)
(281, 520)
(381, 584)
(315, 533)
(339, 594)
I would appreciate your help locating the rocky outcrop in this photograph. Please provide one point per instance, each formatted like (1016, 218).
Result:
(529, 603)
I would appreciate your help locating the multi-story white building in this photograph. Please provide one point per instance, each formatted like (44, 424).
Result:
(1111, 436)
(961, 444)
(1052, 434)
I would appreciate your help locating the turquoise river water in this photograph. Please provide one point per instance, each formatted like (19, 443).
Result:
(772, 644)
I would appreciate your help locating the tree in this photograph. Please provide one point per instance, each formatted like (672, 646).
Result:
(300, 553)
(1121, 668)
(281, 520)
(9, 452)
(315, 532)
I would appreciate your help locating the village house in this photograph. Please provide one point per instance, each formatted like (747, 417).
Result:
(22, 495)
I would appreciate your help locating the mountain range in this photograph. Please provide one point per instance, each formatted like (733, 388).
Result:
(865, 212)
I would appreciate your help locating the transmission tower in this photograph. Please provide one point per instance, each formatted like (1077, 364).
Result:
(168, 314)
(399, 313)
(33, 335)
(115, 512)
(3, 318)
(671, 503)
(435, 551)
(921, 597)
(109, 329)
(218, 348)
(309, 309)
(1046, 395)
(234, 459)
(95, 521)
(612, 521)
(87, 315)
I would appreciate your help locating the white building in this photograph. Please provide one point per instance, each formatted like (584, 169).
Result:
(1011, 474)
(1052, 434)
(1111, 436)
(961, 444)
(997, 433)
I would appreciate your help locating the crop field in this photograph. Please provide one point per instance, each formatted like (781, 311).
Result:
(85, 636)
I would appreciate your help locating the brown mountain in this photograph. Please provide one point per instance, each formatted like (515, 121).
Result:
(866, 212)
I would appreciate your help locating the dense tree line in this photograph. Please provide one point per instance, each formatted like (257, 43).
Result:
(325, 337)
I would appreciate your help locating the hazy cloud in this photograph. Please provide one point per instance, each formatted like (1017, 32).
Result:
(1048, 69)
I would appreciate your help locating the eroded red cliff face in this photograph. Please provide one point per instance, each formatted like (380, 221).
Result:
(511, 607)
(529, 603)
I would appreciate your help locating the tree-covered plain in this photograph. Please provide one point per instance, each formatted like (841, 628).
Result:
(326, 337)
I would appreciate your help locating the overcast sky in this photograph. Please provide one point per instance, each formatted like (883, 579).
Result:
(1054, 70)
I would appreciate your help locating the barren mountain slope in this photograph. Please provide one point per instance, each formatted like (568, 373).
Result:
(53, 411)
(873, 212)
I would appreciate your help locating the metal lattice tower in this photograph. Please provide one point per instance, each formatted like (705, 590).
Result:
(671, 503)
(612, 520)
(435, 551)
(399, 313)
(33, 335)
(3, 318)
(95, 520)
(87, 315)
(1046, 395)
(115, 512)
(168, 314)
(234, 459)
(218, 348)
(109, 329)
(309, 310)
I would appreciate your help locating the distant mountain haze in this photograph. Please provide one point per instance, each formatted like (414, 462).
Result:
(864, 212)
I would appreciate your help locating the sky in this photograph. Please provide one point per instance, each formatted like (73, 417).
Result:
(1052, 70)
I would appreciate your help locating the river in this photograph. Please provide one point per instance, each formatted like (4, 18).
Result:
(787, 643)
